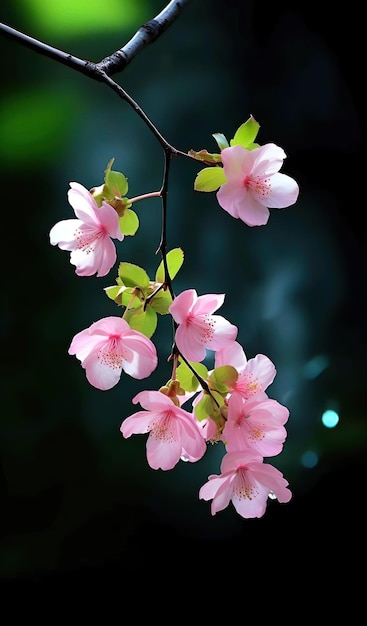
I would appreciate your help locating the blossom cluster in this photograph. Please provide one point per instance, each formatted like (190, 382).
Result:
(227, 405)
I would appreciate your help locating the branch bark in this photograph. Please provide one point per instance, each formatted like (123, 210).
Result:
(118, 60)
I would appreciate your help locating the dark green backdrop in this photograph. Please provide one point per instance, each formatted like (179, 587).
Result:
(76, 497)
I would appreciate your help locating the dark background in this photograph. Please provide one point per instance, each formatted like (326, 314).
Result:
(79, 502)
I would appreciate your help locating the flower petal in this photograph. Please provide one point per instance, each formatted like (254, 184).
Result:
(284, 192)
(63, 234)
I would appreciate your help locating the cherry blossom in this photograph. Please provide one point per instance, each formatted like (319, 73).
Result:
(247, 482)
(254, 375)
(253, 184)
(198, 329)
(109, 346)
(174, 433)
(88, 238)
(256, 424)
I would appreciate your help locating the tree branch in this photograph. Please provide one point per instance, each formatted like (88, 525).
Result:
(118, 60)
(146, 34)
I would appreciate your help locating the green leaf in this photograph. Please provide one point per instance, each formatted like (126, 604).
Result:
(209, 179)
(246, 134)
(132, 275)
(128, 300)
(208, 406)
(123, 296)
(143, 321)
(223, 377)
(187, 379)
(116, 183)
(175, 258)
(114, 292)
(203, 408)
(221, 141)
(161, 302)
(129, 222)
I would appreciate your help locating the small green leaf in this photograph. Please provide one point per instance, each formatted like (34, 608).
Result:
(161, 302)
(187, 378)
(115, 181)
(223, 377)
(129, 222)
(203, 408)
(208, 406)
(175, 258)
(143, 321)
(128, 300)
(221, 141)
(246, 134)
(132, 275)
(209, 179)
(123, 296)
(113, 292)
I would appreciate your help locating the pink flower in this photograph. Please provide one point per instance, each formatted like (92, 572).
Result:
(256, 424)
(198, 329)
(247, 482)
(109, 346)
(173, 432)
(88, 238)
(253, 183)
(254, 375)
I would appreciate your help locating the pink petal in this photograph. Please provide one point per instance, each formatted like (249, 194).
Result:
(207, 303)
(232, 354)
(99, 374)
(254, 505)
(110, 221)
(268, 160)
(188, 341)
(83, 344)
(224, 333)
(63, 234)
(262, 369)
(153, 401)
(283, 192)
(181, 305)
(273, 480)
(139, 423)
(223, 494)
(163, 446)
(110, 325)
(251, 211)
(228, 196)
(140, 356)
(83, 203)
(237, 163)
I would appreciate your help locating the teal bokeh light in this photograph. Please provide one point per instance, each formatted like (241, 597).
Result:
(330, 418)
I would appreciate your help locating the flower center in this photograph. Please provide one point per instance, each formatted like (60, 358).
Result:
(206, 327)
(243, 489)
(87, 240)
(112, 355)
(248, 385)
(259, 186)
(162, 428)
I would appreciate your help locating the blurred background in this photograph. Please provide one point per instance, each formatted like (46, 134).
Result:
(77, 499)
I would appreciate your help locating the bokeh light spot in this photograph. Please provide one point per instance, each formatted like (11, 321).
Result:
(309, 459)
(330, 418)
